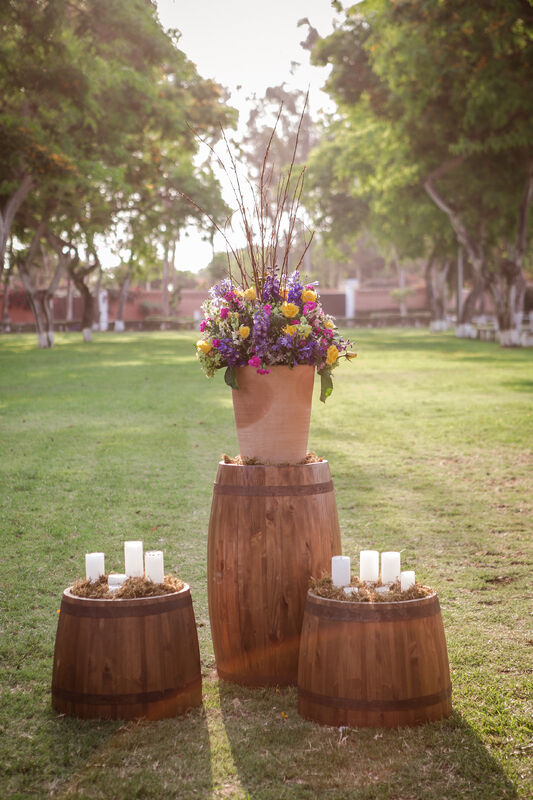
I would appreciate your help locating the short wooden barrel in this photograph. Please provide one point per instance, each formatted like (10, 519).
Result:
(123, 659)
(271, 529)
(373, 664)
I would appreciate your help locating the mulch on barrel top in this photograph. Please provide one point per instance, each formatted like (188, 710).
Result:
(323, 587)
(133, 587)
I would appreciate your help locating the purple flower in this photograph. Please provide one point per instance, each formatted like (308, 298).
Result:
(224, 312)
(221, 289)
(260, 334)
(203, 324)
(267, 309)
(215, 343)
(295, 288)
(271, 287)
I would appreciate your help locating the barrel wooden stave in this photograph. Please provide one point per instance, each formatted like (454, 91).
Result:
(271, 529)
(385, 670)
(123, 659)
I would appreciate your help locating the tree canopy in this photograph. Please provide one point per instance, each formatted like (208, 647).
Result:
(434, 130)
(99, 116)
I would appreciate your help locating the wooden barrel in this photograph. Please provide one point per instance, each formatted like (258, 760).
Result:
(123, 659)
(271, 529)
(373, 664)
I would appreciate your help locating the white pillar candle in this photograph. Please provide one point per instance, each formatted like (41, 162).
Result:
(407, 579)
(94, 566)
(390, 567)
(369, 565)
(340, 570)
(116, 578)
(153, 566)
(133, 559)
(349, 590)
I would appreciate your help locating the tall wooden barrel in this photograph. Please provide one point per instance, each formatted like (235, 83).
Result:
(271, 529)
(123, 659)
(373, 664)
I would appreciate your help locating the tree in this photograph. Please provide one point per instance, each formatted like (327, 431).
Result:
(452, 82)
(91, 93)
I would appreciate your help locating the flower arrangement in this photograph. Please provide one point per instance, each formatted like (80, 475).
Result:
(286, 325)
(268, 316)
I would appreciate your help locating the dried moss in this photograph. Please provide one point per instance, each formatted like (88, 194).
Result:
(131, 588)
(311, 458)
(323, 587)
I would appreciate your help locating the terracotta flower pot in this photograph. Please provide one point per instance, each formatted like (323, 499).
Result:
(272, 413)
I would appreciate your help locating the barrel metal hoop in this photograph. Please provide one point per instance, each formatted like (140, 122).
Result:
(353, 704)
(374, 612)
(274, 490)
(115, 609)
(124, 699)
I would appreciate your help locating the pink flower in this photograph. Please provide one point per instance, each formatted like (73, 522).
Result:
(263, 371)
(224, 313)
(254, 361)
(267, 308)
(203, 324)
(327, 332)
(215, 342)
(309, 307)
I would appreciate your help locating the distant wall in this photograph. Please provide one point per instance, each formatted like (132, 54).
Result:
(142, 303)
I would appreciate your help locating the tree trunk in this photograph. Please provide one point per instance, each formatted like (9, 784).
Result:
(70, 300)
(8, 211)
(166, 260)
(41, 300)
(123, 294)
(78, 275)
(507, 287)
(5, 319)
(436, 277)
(96, 302)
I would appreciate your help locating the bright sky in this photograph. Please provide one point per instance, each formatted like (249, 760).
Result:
(246, 45)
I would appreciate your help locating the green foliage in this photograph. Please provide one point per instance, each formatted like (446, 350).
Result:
(326, 384)
(99, 107)
(419, 83)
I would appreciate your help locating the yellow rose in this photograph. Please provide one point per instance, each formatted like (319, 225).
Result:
(332, 355)
(284, 293)
(308, 296)
(329, 324)
(289, 310)
(244, 331)
(239, 292)
(204, 345)
(290, 329)
(349, 356)
(250, 294)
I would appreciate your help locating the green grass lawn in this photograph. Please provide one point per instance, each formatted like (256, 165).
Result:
(429, 443)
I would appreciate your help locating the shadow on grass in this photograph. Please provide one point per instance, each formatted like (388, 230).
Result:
(142, 759)
(279, 755)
